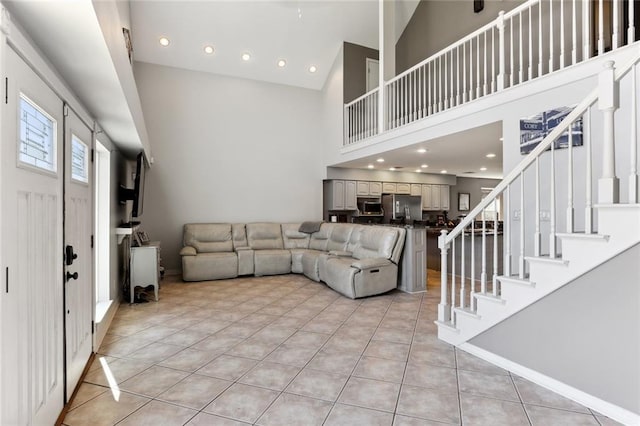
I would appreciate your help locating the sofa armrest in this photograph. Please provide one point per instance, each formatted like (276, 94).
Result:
(188, 251)
(340, 253)
(377, 262)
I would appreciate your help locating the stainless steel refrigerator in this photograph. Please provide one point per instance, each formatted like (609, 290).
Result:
(398, 206)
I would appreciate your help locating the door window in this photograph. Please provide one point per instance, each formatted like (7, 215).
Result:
(37, 136)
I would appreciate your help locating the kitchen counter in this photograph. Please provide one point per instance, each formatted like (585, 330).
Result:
(434, 258)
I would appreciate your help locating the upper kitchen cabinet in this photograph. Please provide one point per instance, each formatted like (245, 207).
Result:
(389, 188)
(403, 188)
(416, 189)
(435, 197)
(375, 189)
(340, 195)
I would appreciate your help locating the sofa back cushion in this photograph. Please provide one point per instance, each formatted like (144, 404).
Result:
(354, 239)
(339, 237)
(264, 236)
(320, 239)
(376, 241)
(294, 239)
(239, 235)
(208, 237)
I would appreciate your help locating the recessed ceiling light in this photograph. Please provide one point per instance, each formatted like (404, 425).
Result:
(246, 57)
(313, 69)
(208, 50)
(443, 171)
(490, 155)
(282, 63)
(418, 170)
(392, 169)
(501, 139)
(422, 150)
(424, 166)
(164, 41)
(483, 169)
(380, 160)
(370, 166)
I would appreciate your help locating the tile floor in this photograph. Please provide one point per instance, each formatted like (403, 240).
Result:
(285, 350)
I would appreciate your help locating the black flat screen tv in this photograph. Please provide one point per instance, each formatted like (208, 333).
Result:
(135, 194)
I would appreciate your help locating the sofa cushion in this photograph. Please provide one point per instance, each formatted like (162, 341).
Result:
(208, 237)
(264, 236)
(294, 239)
(310, 264)
(376, 241)
(239, 235)
(209, 266)
(272, 262)
(296, 260)
(320, 239)
(339, 237)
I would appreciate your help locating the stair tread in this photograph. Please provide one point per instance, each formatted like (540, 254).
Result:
(515, 279)
(467, 312)
(448, 325)
(618, 206)
(490, 297)
(546, 259)
(582, 235)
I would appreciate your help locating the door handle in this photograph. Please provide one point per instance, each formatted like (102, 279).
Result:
(71, 276)
(69, 255)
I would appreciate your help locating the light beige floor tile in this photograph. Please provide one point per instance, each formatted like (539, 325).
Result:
(153, 381)
(227, 367)
(541, 416)
(204, 419)
(273, 334)
(104, 410)
(159, 413)
(122, 347)
(537, 395)
(195, 391)
(348, 415)
(210, 326)
(400, 420)
(318, 384)
(431, 376)
(387, 350)
(322, 326)
(215, 342)
(184, 338)
(259, 319)
(393, 335)
(242, 402)
(606, 421)
(289, 321)
(334, 362)
(489, 385)
(86, 392)
(294, 410)
(307, 339)
(189, 359)
(469, 362)
(341, 344)
(155, 352)
(481, 411)
(240, 330)
(291, 355)
(430, 404)
(380, 369)
(252, 348)
(401, 324)
(270, 375)
(372, 394)
(421, 353)
(155, 333)
(119, 369)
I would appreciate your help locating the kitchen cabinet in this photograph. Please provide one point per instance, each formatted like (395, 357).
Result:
(416, 189)
(403, 188)
(362, 189)
(389, 187)
(426, 197)
(444, 197)
(435, 197)
(375, 189)
(340, 195)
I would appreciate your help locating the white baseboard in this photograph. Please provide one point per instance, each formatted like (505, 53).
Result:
(102, 326)
(608, 409)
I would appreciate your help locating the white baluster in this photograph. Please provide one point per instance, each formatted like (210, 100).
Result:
(551, 30)
(483, 273)
(530, 44)
(485, 87)
(511, 55)
(495, 248)
(464, 72)
(478, 67)
(440, 100)
(608, 184)
(631, 30)
(493, 61)
(600, 27)
(588, 211)
(462, 271)
(472, 300)
(429, 95)
(411, 97)
(552, 204)
(574, 35)
(586, 30)
(345, 125)
(521, 260)
(458, 97)
(520, 52)
(615, 38)
(451, 84)
(633, 177)
(570, 181)
(419, 72)
(561, 34)
(540, 41)
(506, 232)
(453, 278)
(424, 89)
(537, 236)
(444, 314)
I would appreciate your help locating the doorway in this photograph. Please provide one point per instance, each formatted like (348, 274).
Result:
(373, 74)
(102, 275)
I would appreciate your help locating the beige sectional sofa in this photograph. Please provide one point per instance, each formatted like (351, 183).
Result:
(355, 260)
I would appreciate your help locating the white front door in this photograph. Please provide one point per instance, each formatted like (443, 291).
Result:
(32, 292)
(78, 227)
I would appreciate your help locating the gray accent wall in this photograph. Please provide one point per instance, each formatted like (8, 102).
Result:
(435, 24)
(355, 77)
(471, 186)
(586, 334)
(227, 150)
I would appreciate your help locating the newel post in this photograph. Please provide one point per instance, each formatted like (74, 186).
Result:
(608, 184)
(444, 310)
(501, 50)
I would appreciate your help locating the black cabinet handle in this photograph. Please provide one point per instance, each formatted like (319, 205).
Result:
(71, 276)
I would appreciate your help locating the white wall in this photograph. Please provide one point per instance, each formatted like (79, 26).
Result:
(227, 150)
(594, 349)
(333, 108)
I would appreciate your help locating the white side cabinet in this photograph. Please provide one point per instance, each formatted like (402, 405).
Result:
(144, 268)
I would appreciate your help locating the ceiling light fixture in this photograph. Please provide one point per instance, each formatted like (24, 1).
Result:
(490, 155)
(380, 160)
(313, 69)
(443, 171)
(422, 150)
(424, 166)
(282, 63)
(483, 169)
(246, 57)
(164, 41)
(418, 170)
(393, 169)
(370, 166)
(208, 50)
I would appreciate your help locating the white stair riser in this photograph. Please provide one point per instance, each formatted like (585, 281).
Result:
(619, 221)
(516, 292)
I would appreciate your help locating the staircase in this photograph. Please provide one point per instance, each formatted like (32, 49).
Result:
(553, 189)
